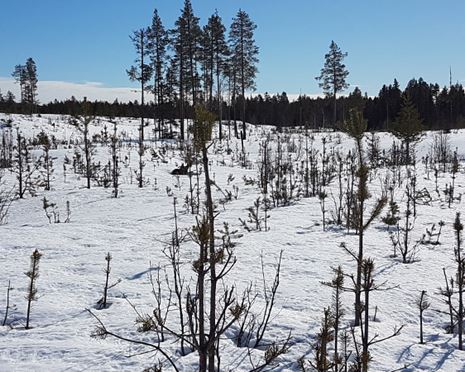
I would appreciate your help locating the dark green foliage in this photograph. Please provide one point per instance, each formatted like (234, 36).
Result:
(321, 361)
(158, 41)
(380, 111)
(333, 74)
(244, 54)
(356, 125)
(32, 274)
(26, 76)
(202, 128)
(392, 216)
(141, 71)
(408, 126)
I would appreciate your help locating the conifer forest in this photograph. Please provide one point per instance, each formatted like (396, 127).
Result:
(211, 226)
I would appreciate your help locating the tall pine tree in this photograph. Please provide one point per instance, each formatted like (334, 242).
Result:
(157, 44)
(244, 56)
(217, 52)
(141, 72)
(333, 75)
(186, 44)
(26, 76)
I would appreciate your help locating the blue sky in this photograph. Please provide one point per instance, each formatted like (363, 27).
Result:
(80, 41)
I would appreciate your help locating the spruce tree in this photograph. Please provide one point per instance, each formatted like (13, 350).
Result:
(244, 56)
(408, 126)
(32, 274)
(333, 75)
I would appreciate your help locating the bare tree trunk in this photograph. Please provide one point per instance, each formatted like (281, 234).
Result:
(220, 103)
(212, 262)
(141, 129)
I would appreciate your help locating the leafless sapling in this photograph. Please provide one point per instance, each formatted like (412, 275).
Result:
(46, 144)
(401, 238)
(115, 171)
(368, 285)
(7, 305)
(322, 195)
(82, 124)
(422, 304)
(51, 211)
(25, 168)
(107, 276)
(5, 200)
(432, 235)
(447, 293)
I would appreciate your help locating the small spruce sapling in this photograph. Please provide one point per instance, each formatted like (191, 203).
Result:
(32, 274)
(321, 362)
(107, 276)
(392, 216)
(338, 312)
(460, 277)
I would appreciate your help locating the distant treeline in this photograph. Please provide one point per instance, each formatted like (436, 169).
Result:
(439, 108)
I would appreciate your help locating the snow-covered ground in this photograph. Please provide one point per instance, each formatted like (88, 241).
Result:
(135, 226)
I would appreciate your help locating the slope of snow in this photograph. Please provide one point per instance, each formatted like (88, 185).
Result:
(135, 226)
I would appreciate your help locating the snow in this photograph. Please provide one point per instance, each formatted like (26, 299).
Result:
(134, 227)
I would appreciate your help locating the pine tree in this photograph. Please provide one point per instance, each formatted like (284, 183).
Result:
(191, 33)
(217, 52)
(171, 83)
(186, 37)
(31, 87)
(334, 74)
(19, 75)
(356, 127)
(157, 43)
(244, 57)
(142, 73)
(26, 76)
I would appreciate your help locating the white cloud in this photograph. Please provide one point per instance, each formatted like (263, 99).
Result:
(94, 90)
(291, 96)
(61, 90)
